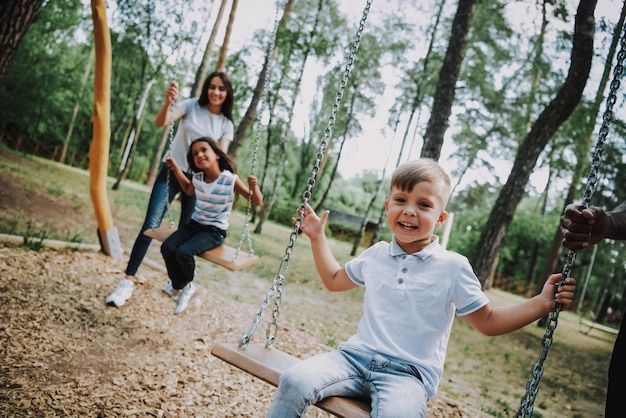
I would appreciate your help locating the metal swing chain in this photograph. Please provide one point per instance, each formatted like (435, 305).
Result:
(526, 407)
(245, 234)
(275, 290)
(165, 204)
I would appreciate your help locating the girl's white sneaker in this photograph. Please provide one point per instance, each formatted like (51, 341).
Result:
(185, 297)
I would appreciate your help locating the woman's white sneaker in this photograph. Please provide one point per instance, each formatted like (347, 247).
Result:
(121, 294)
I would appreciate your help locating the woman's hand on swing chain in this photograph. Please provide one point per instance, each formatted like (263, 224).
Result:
(583, 227)
(172, 92)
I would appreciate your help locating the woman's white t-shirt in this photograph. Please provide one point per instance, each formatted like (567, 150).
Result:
(197, 122)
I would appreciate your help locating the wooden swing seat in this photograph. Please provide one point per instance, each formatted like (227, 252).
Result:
(222, 255)
(269, 364)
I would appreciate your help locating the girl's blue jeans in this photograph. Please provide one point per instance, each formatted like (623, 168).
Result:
(180, 248)
(155, 213)
(395, 389)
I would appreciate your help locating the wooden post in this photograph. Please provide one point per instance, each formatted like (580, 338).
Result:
(99, 149)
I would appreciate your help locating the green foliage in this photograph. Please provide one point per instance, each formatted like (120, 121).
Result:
(522, 255)
(528, 236)
(283, 211)
(36, 98)
(510, 72)
(466, 230)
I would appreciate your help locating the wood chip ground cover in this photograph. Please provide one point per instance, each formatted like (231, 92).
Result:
(64, 353)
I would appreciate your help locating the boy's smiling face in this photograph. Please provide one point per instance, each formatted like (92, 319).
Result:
(414, 215)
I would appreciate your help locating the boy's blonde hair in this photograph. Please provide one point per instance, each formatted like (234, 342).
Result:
(410, 173)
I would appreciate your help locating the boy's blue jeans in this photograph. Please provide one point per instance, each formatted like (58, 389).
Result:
(155, 214)
(395, 389)
(180, 248)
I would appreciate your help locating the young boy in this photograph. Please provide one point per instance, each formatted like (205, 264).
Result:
(414, 287)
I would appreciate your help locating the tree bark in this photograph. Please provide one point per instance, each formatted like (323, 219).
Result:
(248, 118)
(221, 61)
(15, 19)
(583, 151)
(202, 69)
(349, 117)
(559, 109)
(448, 75)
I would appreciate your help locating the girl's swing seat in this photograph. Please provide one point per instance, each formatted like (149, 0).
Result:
(223, 255)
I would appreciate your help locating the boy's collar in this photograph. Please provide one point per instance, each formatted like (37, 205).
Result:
(395, 249)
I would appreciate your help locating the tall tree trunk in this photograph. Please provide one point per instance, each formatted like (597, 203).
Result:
(307, 150)
(320, 206)
(268, 144)
(269, 203)
(530, 277)
(15, 19)
(530, 106)
(381, 219)
(488, 247)
(383, 211)
(248, 118)
(419, 95)
(583, 151)
(221, 61)
(70, 129)
(448, 75)
(379, 189)
(156, 158)
(133, 138)
(416, 103)
(202, 69)
(265, 213)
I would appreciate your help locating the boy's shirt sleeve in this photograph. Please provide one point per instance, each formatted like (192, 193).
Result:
(354, 267)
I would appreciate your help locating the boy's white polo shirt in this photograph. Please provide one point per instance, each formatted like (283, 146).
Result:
(410, 302)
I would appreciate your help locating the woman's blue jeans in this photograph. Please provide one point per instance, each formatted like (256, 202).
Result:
(180, 248)
(161, 190)
(395, 389)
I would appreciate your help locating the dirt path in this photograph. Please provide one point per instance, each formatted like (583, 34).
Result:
(64, 353)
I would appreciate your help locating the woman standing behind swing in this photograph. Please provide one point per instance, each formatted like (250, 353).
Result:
(210, 115)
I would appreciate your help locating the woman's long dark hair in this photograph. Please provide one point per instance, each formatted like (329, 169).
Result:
(227, 106)
(225, 162)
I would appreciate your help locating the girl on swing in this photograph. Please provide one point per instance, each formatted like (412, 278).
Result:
(210, 115)
(214, 183)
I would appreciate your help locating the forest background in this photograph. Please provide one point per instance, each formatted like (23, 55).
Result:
(506, 117)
